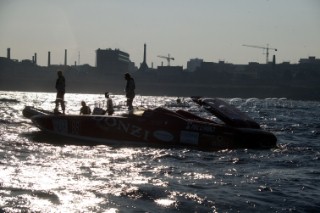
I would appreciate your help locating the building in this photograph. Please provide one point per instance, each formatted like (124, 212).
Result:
(310, 60)
(194, 64)
(112, 61)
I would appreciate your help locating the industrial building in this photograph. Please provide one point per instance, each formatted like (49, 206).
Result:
(112, 61)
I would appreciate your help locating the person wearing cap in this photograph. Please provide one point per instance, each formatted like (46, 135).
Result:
(130, 87)
(60, 86)
(110, 109)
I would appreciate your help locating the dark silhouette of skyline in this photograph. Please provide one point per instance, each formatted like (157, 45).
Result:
(220, 79)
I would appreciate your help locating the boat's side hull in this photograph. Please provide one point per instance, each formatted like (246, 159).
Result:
(161, 131)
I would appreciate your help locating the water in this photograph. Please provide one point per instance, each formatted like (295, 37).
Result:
(38, 176)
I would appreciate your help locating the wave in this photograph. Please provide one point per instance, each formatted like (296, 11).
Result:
(5, 121)
(43, 194)
(8, 100)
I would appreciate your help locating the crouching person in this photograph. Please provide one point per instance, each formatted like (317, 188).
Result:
(85, 110)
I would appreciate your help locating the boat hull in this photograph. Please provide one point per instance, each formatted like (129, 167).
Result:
(163, 131)
(161, 127)
(30, 111)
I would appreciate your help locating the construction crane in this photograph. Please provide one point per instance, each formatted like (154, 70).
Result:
(267, 48)
(166, 57)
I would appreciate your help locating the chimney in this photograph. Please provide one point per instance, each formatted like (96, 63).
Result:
(49, 59)
(274, 60)
(145, 53)
(35, 58)
(65, 57)
(8, 53)
(143, 65)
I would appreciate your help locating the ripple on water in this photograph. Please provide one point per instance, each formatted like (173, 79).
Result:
(37, 175)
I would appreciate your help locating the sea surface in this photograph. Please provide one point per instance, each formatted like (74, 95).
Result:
(37, 175)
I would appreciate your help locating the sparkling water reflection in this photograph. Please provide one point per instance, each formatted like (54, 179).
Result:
(38, 176)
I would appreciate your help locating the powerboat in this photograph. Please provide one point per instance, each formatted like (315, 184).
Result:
(161, 127)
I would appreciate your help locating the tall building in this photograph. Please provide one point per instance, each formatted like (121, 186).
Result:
(194, 64)
(112, 61)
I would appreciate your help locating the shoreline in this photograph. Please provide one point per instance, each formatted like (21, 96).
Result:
(302, 93)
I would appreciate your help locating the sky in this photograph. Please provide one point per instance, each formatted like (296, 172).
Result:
(212, 30)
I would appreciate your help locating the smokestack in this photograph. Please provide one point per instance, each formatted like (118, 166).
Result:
(49, 56)
(8, 53)
(145, 53)
(65, 57)
(35, 58)
(143, 65)
(274, 60)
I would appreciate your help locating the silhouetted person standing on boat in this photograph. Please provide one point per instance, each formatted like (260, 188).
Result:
(110, 109)
(60, 86)
(130, 87)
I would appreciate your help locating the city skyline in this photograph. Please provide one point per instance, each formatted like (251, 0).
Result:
(210, 30)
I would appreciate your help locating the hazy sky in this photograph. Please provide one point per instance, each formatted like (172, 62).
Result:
(212, 30)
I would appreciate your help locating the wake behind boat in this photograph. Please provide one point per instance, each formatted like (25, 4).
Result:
(161, 127)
